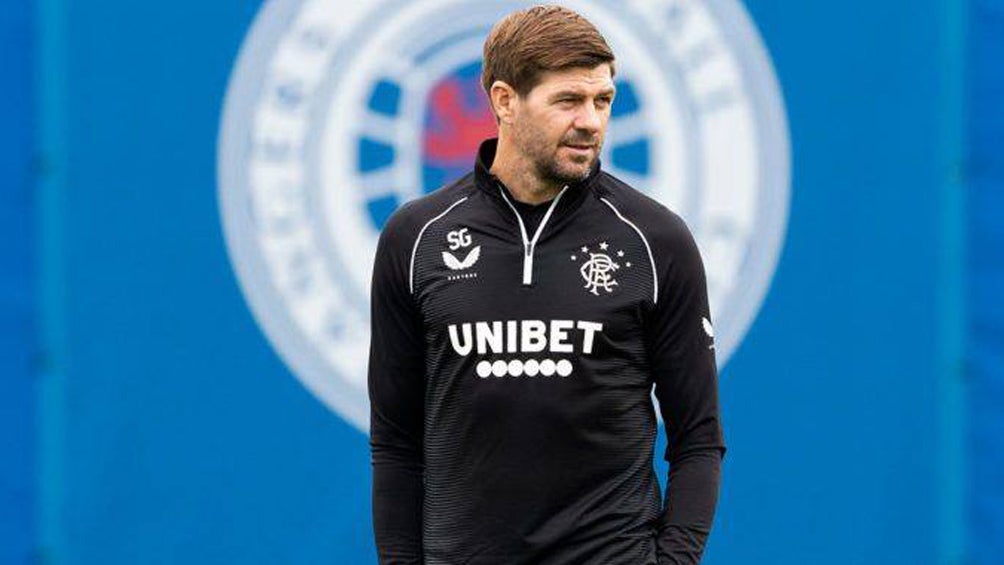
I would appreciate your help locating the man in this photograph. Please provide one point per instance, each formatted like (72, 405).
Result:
(520, 318)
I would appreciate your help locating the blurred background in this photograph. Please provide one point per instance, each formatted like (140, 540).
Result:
(192, 191)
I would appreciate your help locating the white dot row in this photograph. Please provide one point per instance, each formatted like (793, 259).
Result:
(462, 276)
(530, 368)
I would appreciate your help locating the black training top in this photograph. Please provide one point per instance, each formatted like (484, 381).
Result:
(510, 379)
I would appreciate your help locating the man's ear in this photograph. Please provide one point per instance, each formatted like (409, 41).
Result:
(504, 101)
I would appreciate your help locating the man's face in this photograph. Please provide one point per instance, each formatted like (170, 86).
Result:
(559, 127)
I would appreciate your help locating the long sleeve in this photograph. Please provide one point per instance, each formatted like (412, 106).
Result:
(396, 393)
(681, 348)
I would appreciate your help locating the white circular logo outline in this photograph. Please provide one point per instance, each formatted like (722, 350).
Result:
(247, 92)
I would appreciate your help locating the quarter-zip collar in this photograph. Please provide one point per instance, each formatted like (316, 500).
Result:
(565, 202)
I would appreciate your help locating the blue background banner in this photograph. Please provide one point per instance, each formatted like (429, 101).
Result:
(985, 266)
(17, 279)
(169, 428)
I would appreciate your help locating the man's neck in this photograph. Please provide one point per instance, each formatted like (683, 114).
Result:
(517, 174)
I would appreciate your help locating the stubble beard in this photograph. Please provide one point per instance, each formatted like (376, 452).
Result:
(544, 159)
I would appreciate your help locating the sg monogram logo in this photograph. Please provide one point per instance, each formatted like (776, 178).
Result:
(457, 239)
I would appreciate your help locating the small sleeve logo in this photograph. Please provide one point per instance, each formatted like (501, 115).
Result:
(710, 330)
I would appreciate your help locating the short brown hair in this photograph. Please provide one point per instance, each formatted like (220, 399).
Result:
(526, 44)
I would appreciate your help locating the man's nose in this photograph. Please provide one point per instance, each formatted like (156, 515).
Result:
(588, 118)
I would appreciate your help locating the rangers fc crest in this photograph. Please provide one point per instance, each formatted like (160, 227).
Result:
(598, 268)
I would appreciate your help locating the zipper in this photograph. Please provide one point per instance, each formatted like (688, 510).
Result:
(530, 244)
